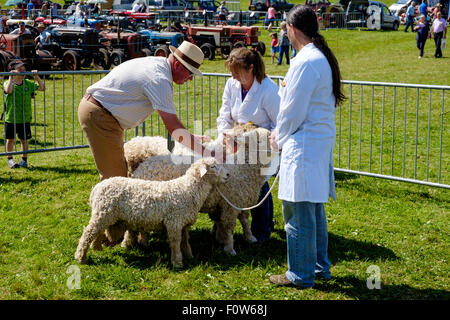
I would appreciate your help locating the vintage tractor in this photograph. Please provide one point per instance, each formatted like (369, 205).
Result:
(158, 42)
(15, 46)
(77, 47)
(223, 38)
(124, 45)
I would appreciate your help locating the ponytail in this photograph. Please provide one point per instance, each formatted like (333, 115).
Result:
(304, 19)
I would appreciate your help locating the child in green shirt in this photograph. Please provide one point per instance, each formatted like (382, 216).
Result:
(19, 92)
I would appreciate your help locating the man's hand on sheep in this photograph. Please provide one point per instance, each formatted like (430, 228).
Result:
(273, 143)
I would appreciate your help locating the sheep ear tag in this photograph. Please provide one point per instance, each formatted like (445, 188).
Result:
(203, 172)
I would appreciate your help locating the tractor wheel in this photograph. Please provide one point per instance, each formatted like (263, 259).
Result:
(162, 51)
(239, 44)
(261, 47)
(146, 52)
(225, 51)
(101, 60)
(208, 50)
(71, 60)
(117, 57)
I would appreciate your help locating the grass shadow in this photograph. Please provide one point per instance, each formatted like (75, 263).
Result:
(344, 176)
(207, 251)
(67, 170)
(358, 289)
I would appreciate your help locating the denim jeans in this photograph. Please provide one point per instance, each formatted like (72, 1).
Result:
(409, 23)
(285, 50)
(307, 242)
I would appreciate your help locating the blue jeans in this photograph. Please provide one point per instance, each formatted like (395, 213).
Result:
(307, 242)
(262, 216)
(285, 50)
(409, 23)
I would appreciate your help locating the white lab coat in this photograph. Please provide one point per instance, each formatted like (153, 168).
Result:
(260, 105)
(306, 130)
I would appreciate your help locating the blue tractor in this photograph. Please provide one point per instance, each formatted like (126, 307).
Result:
(158, 42)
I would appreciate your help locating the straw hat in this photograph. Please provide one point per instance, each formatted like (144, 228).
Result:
(189, 55)
(41, 25)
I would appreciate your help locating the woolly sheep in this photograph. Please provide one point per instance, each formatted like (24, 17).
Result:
(242, 188)
(143, 205)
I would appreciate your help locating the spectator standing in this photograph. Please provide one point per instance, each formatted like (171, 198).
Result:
(410, 13)
(136, 6)
(223, 13)
(250, 95)
(19, 92)
(30, 9)
(284, 44)
(71, 9)
(44, 9)
(439, 32)
(271, 17)
(274, 46)
(423, 33)
(54, 10)
(423, 8)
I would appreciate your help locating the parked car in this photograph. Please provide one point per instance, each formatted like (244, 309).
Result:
(208, 5)
(263, 5)
(400, 7)
(154, 5)
(357, 14)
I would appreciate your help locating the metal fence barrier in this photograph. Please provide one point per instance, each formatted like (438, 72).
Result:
(388, 130)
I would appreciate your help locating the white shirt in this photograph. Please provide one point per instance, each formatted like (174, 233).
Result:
(260, 105)
(306, 129)
(134, 89)
(136, 7)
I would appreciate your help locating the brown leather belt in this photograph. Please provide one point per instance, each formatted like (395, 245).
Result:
(91, 99)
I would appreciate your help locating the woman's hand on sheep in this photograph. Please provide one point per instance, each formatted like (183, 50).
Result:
(272, 140)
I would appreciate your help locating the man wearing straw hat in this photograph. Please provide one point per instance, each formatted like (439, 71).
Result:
(129, 94)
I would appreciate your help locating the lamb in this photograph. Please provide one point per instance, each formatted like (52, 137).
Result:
(242, 188)
(145, 206)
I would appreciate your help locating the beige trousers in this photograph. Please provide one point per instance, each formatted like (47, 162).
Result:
(105, 138)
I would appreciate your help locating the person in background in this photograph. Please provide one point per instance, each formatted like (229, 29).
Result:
(274, 46)
(284, 44)
(54, 10)
(223, 13)
(30, 9)
(251, 96)
(21, 29)
(271, 12)
(44, 9)
(122, 100)
(423, 33)
(44, 38)
(71, 9)
(410, 13)
(19, 92)
(306, 133)
(439, 32)
(423, 8)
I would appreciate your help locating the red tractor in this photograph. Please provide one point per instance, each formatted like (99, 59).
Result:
(13, 46)
(124, 46)
(223, 38)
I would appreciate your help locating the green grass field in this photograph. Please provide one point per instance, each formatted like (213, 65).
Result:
(400, 228)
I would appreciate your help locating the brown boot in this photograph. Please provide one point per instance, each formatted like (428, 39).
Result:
(280, 280)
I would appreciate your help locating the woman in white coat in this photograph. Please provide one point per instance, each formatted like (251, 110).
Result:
(251, 96)
(306, 133)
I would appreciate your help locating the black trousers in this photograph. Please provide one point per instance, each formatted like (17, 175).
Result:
(438, 40)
